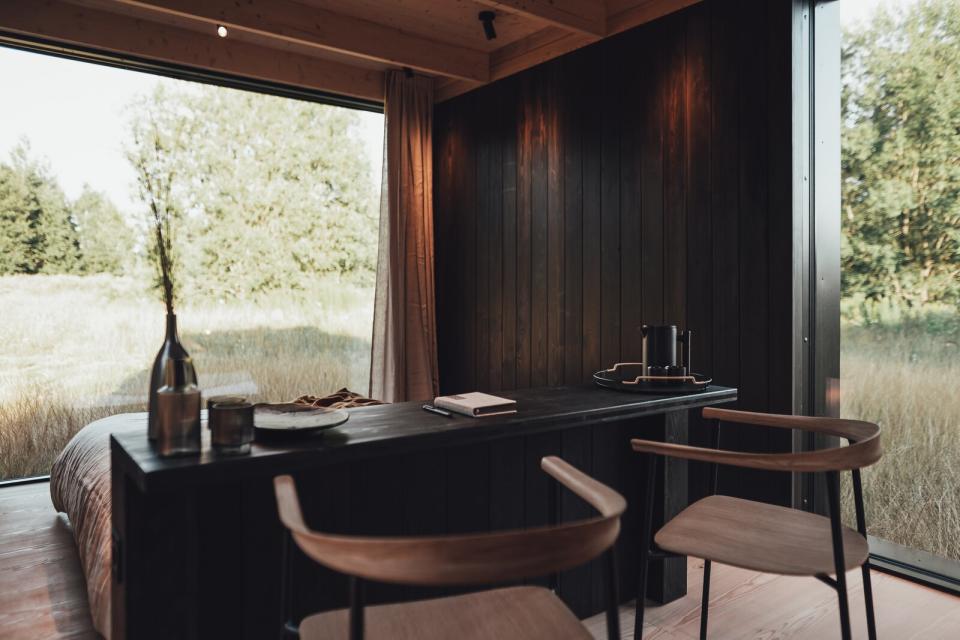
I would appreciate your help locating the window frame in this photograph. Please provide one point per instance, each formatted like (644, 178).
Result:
(816, 38)
(182, 72)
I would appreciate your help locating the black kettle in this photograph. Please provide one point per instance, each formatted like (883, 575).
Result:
(660, 346)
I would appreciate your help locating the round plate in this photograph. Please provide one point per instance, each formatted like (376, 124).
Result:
(296, 418)
(625, 378)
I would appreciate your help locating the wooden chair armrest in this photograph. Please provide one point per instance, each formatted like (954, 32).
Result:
(853, 430)
(854, 456)
(598, 495)
(481, 558)
(288, 504)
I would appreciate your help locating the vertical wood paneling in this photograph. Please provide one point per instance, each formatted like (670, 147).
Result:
(525, 127)
(675, 182)
(553, 110)
(754, 192)
(780, 236)
(507, 131)
(444, 150)
(377, 508)
(485, 197)
(699, 252)
(468, 469)
(468, 250)
(591, 273)
(651, 117)
(609, 221)
(778, 240)
(644, 179)
(541, 494)
(633, 119)
(539, 230)
(725, 205)
(494, 231)
(577, 584)
(573, 230)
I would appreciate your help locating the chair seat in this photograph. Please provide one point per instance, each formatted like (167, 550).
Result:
(760, 537)
(528, 613)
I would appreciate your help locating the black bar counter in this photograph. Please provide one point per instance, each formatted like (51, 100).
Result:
(198, 546)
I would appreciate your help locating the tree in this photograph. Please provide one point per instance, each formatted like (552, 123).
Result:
(161, 136)
(901, 156)
(106, 241)
(37, 233)
(265, 193)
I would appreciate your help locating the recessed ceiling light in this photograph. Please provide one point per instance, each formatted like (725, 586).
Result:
(221, 31)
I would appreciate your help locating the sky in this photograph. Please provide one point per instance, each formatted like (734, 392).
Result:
(72, 114)
(854, 11)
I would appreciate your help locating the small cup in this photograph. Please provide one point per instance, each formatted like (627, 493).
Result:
(178, 421)
(231, 425)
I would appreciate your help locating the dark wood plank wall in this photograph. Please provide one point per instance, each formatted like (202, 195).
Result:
(644, 179)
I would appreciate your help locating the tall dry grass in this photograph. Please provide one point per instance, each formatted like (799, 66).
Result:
(905, 378)
(79, 348)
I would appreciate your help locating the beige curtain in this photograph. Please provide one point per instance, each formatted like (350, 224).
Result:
(404, 358)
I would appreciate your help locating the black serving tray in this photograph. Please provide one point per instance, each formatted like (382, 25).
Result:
(628, 376)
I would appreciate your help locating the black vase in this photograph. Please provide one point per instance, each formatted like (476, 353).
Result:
(172, 368)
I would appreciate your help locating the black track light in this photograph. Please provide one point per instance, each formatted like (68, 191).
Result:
(487, 18)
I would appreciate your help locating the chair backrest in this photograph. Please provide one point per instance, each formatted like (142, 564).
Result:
(864, 448)
(482, 558)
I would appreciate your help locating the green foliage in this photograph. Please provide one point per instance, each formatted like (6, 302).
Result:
(263, 193)
(901, 157)
(252, 194)
(37, 232)
(106, 241)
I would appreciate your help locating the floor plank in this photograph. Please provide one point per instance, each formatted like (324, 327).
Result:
(747, 604)
(42, 591)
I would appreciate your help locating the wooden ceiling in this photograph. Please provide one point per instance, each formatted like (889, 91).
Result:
(339, 46)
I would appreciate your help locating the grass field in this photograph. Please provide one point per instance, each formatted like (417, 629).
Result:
(904, 377)
(79, 348)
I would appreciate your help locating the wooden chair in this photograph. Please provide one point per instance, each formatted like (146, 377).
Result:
(763, 537)
(483, 558)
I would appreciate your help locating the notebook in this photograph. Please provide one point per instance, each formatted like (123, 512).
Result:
(476, 404)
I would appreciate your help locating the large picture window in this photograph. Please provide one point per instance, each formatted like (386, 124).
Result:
(273, 205)
(900, 358)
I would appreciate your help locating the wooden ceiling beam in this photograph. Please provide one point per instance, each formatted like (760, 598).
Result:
(588, 17)
(637, 13)
(100, 30)
(535, 49)
(323, 29)
(552, 42)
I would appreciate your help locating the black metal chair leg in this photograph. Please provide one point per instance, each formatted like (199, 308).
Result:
(356, 608)
(290, 629)
(868, 601)
(862, 528)
(844, 606)
(836, 531)
(646, 542)
(705, 600)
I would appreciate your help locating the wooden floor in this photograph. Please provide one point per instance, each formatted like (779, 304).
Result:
(42, 593)
(747, 604)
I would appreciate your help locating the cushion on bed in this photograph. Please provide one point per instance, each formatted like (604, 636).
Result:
(80, 487)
